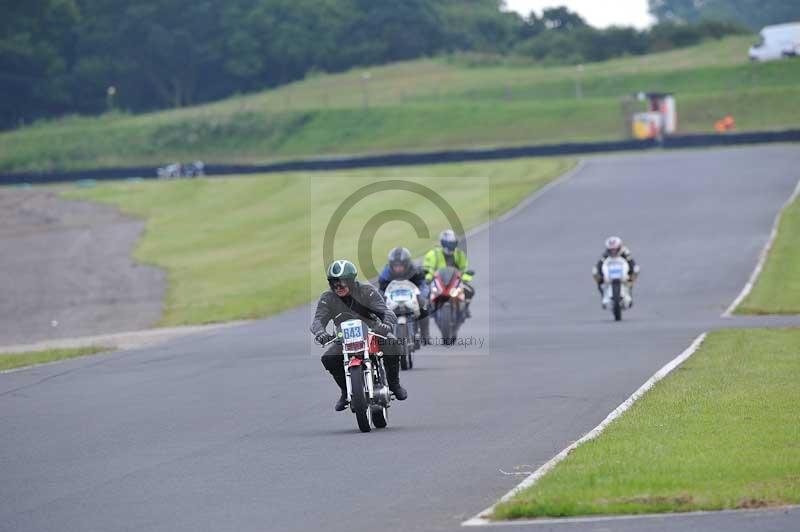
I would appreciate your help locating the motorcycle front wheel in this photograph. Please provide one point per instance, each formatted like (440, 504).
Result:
(412, 336)
(402, 338)
(410, 346)
(616, 296)
(455, 316)
(441, 322)
(358, 403)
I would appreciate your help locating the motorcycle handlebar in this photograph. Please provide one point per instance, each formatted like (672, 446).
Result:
(336, 340)
(372, 317)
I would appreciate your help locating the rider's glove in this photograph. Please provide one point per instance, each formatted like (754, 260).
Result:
(382, 329)
(324, 337)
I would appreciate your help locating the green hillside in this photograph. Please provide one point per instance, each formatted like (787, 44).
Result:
(461, 101)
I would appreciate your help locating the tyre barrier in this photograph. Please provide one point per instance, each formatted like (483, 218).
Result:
(412, 158)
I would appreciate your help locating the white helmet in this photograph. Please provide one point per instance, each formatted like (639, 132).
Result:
(613, 245)
(448, 240)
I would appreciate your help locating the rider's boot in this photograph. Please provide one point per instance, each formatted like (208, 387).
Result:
(467, 313)
(392, 364)
(341, 380)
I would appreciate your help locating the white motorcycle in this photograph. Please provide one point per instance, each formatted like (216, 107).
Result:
(367, 386)
(402, 299)
(616, 287)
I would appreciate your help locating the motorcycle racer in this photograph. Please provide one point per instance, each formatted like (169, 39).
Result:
(448, 254)
(346, 295)
(400, 267)
(615, 248)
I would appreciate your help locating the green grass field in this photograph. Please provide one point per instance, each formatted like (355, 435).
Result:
(423, 105)
(777, 290)
(20, 360)
(720, 432)
(246, 247)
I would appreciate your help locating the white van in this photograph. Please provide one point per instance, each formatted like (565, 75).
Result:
(776, 42)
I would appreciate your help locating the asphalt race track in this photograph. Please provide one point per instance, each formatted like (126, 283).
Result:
(235, 430)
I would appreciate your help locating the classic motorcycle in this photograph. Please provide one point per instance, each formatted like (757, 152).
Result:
(178, 170)
(401, 298)
(367, 385)
(616, 290)
(447, 300)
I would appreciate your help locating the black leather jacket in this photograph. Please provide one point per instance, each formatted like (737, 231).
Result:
(364, 300)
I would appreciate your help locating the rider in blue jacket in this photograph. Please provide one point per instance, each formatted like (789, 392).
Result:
(400, 266)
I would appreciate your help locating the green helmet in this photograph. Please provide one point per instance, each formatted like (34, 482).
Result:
(342, 270)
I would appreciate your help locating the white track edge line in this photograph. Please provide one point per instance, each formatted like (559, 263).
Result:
(762, 258)
(629, 517)
(479, 519)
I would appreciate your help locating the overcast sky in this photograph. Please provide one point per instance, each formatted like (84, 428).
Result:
(598, 13)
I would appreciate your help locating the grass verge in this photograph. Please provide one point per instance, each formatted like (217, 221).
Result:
(246, 247)
(20, 360)
(720, 432)
(777, 290)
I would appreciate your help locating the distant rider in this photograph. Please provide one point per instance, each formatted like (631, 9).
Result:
(615, 248)
(401, 267)
(346, 295)
(449, 254)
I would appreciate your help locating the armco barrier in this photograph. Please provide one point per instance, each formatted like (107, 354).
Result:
(731, 139)
(407, 159)
(98, 174)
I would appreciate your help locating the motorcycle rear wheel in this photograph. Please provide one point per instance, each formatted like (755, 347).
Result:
(358, 403)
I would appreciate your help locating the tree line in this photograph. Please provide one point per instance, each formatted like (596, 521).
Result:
(753, 14)
(84, 56)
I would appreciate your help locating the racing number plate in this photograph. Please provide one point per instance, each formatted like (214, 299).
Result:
(352, 331)
(401, 295)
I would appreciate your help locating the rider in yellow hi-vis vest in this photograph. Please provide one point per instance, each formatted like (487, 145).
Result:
(448, 254)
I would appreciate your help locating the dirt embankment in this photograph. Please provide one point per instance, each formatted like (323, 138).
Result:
(66, 270)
